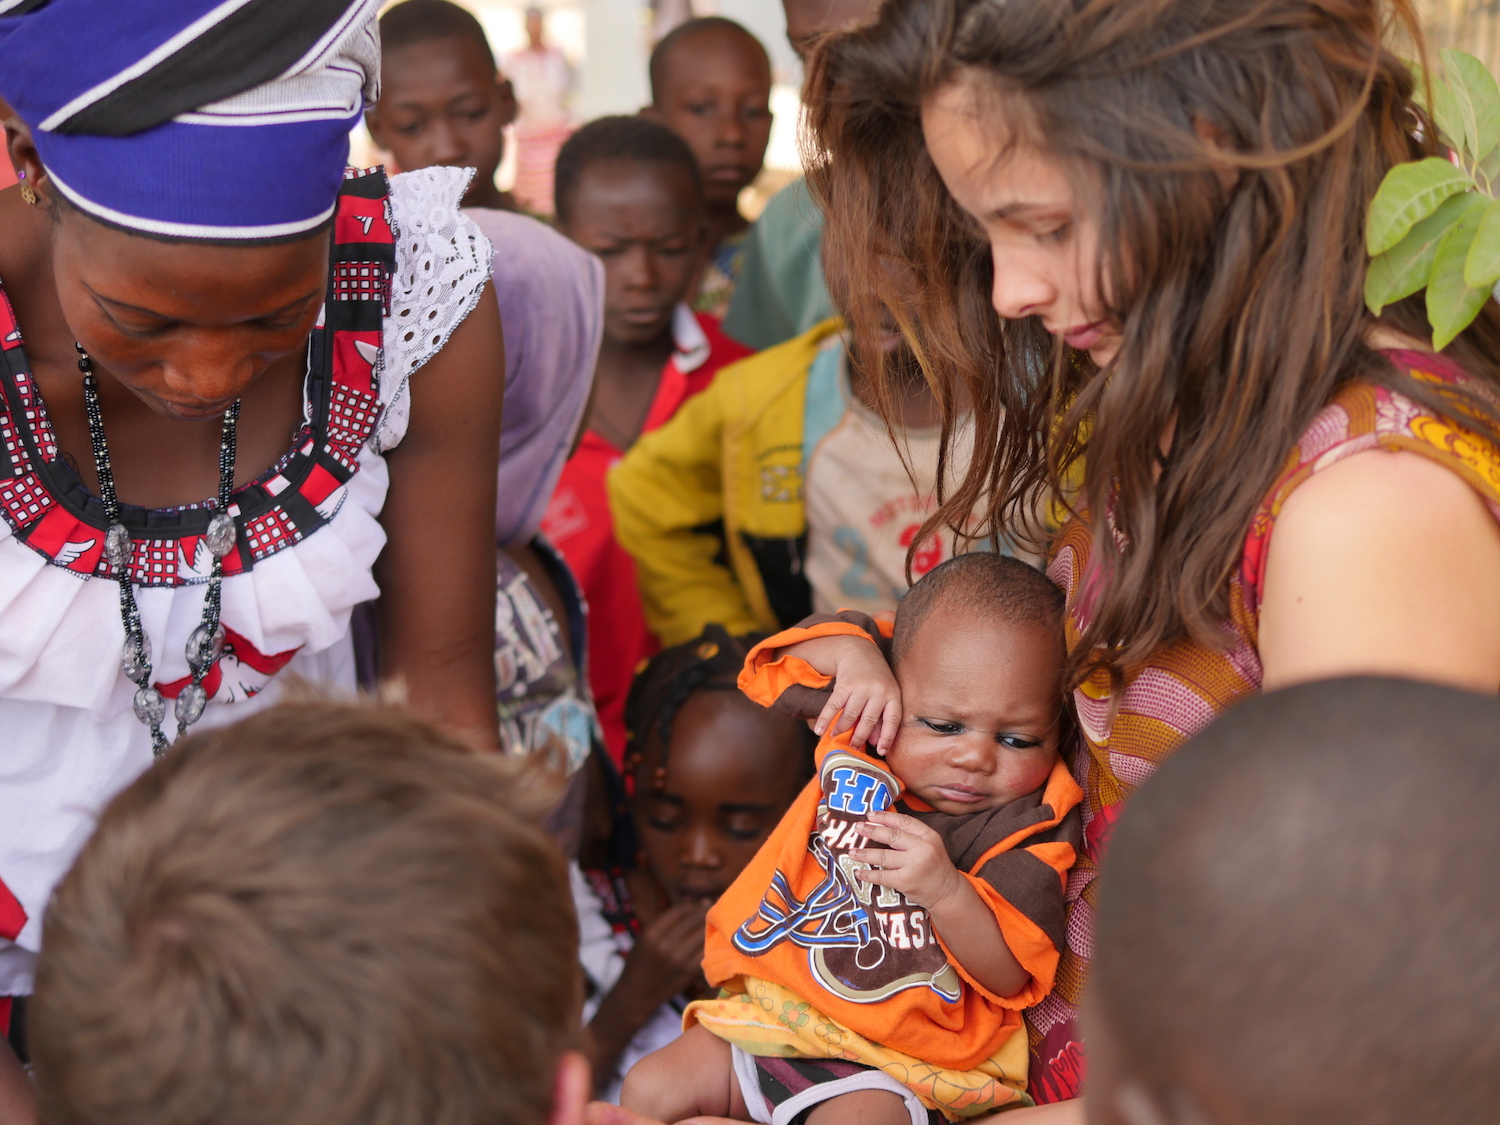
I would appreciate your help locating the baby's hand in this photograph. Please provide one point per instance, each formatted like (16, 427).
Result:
(914, 863)
(865, 690)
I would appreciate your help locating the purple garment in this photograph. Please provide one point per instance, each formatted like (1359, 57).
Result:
(551, 296)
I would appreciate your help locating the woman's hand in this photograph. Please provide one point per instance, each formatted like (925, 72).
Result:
(864, 688)
(437, 571)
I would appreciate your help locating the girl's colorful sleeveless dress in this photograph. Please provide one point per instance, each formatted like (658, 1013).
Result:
(1186, 685)
(407, 267)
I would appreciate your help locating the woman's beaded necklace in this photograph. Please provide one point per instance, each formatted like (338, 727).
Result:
(207, 640)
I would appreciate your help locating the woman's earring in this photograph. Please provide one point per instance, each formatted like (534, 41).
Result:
(28, 193)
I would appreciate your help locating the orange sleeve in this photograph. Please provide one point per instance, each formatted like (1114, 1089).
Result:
(1027, 943)
(767, 675)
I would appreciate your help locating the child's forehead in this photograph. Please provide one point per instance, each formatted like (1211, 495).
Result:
(624, 180)
(713, 52)
(448, 57)
(957, 648)
(718, 732)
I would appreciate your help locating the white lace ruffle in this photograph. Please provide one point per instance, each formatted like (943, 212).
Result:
(442, 264)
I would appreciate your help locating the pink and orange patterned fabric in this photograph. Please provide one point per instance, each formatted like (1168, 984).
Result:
(1186, 685)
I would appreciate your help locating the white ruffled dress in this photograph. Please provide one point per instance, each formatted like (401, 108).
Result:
(69, 739)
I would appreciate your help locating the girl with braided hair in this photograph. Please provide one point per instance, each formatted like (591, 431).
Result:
(712, 774)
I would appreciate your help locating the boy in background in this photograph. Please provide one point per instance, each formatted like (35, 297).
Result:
(629, 191)
(443, 103)
(711, 85)
(323, 915)
(1292, 926)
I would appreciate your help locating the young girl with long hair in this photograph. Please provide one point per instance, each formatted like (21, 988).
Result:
(1164, 201)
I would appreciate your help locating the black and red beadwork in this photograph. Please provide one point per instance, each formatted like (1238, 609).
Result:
(48, 509)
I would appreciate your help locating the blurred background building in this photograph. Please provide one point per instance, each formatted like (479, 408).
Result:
(1469, 25)
(605, 44)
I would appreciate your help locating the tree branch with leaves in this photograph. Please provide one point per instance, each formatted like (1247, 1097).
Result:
(1435, 223)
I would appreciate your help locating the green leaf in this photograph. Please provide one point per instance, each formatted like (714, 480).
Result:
(1478, 98)
(1482, 265)
(1407, 266)
(1409, 193)
(1452, 304)
(1444, 108)
(1489, 167)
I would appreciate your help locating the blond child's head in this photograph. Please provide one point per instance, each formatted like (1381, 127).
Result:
(323, 915)
(978, 652)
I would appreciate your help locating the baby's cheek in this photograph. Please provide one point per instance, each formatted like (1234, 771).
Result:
(1029, 772)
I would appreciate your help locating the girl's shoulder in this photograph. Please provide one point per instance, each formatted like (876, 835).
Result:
(1364, 416)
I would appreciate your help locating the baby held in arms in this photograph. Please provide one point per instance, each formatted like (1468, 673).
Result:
(875, 956)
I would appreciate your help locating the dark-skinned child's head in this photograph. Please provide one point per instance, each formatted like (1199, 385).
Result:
(628, 189)
(442, 102)
(978, 652)
(1296, 919)
(711, 85)
(713, 772)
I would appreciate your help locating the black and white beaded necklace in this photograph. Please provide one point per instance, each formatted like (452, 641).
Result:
(207, 641)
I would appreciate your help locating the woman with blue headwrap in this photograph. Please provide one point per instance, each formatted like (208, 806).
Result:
(241, 390)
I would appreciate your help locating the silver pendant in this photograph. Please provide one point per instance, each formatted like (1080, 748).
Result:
(118, 548)
(204, 647)
(220, 534)
(150, 707)
(135, 660)
(190, 703)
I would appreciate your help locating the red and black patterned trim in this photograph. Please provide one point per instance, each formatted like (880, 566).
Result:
(47, 507)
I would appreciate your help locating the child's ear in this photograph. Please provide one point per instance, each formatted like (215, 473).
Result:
(508, 104)
(651, 113)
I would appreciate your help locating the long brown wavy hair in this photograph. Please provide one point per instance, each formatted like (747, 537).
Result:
(1240, 296)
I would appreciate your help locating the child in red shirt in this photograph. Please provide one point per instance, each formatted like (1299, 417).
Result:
(629, 190)
(881, 945)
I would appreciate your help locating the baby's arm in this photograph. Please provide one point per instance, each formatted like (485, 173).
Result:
(863, 688)
(916, 864)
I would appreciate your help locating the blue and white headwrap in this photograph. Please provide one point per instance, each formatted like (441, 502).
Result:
(193, 119)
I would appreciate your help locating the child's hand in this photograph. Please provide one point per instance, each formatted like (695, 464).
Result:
(668, 956)
(865, 690)
(914, 863)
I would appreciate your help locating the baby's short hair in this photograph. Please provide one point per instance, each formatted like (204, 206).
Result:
(619, 138)
(990, 586)
(1293, 924)
(323, 915)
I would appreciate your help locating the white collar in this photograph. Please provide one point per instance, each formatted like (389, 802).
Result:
(689, 339)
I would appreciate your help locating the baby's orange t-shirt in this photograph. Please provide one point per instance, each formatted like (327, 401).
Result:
(864, 955)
